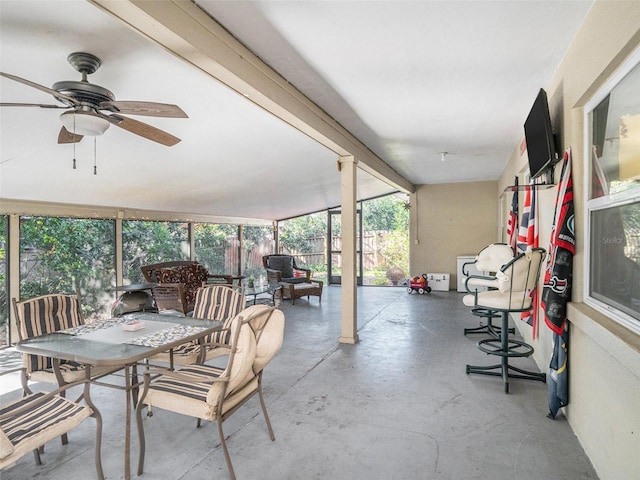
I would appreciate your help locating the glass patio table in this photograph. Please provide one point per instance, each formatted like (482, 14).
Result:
(107, 343)
(256, 290)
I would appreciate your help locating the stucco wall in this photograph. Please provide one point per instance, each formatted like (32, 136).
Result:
(604, 359)
(449, 220)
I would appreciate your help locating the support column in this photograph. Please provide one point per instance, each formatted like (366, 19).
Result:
(13, 273)
(118, 248)
(348, 186)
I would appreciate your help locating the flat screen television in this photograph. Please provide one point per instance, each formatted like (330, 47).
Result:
(538, 134)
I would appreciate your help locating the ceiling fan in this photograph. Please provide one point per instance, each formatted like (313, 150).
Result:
(86, 104)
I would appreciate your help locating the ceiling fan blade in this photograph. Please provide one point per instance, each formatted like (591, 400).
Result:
(60, 96)
(41, 105)
(150, 109)
(143, 129)
(65, 136)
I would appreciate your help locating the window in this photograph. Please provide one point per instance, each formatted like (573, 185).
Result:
(613, 204)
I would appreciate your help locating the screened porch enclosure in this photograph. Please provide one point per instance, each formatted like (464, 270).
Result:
(68, 254)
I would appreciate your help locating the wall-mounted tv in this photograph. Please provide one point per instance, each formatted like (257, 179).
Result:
(538, 134)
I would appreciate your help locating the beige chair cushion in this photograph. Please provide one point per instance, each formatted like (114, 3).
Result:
(269, 331)
(241, 369)
(497, 300)
(493, 257)
(200, 398)
(35, 427)
(46, 314)
(6, 447)
(522, 274)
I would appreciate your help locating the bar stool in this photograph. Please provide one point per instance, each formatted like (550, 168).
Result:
(516, 279)
(490, 259)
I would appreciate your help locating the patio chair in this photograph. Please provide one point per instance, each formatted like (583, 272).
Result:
(490, 259)
(169, 298)
(296, 281)
(192, 275)
(282, 268)
(33, 420)
(516, 280)
(212, 393)
(213, 302)
(47, 314)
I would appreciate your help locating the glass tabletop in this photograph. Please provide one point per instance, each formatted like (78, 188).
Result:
(258, 289)
(112, 345)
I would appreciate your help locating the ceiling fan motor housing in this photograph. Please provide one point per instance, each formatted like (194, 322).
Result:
(85, 92)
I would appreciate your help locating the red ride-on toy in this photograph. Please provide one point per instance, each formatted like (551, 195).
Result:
(419, 284)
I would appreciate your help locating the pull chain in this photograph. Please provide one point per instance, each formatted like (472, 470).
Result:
(74, 143)
(95, 167)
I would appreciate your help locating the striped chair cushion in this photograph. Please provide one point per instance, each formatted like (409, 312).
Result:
(47, 314)
(71, 371)
(215, 302)
(37, 426)
(219, 302)
(187, 397)
(198, 397)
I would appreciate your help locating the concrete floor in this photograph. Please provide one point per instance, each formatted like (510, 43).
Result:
(398, 405)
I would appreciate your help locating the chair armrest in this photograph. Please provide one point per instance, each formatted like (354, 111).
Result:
(480, 281)
(216, 345)
(464, 267)
(273, 276)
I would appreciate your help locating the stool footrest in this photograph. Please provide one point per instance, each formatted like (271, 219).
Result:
(514, 348)
(492, 330)
(489, 328)
(484, 312)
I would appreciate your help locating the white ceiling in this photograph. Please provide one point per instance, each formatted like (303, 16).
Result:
(409, 79)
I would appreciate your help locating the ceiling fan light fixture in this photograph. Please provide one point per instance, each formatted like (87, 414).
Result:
(84, 123)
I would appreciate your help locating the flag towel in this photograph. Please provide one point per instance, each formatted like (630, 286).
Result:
(512, 223)
(527, 240)
(558, 379)
(556, 292)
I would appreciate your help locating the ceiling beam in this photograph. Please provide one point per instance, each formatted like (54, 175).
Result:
(185, 30)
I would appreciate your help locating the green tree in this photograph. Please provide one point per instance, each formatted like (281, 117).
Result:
(145, 242)
(211, 243)
(65, 255)
(385, 213)
(295, 234)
